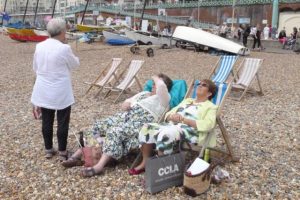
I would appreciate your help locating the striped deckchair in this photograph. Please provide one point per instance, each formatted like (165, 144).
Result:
(129, 79)
(246, 74)
(223, 68)
(219, 99)
(107, 78)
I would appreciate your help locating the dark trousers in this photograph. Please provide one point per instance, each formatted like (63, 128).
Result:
(63, 119)
(256, 40)
(245, 38)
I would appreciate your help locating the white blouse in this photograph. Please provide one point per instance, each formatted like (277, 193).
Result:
(52, 63)
(156, 104)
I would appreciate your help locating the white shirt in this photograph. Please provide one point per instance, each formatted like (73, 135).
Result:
(52, 63)
(253, 31)
(156, 104)
(266, 30)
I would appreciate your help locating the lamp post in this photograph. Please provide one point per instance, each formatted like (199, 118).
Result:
(232, 17)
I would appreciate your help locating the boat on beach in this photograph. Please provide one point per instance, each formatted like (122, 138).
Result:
(147, 38)
(204, 39)
(74, 35)
(93, 28)
(27, 35)
(115, 38)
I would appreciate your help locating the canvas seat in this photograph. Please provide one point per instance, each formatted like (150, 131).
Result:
(106, 76)
(128, 80)
(245, 76)
(223, 69)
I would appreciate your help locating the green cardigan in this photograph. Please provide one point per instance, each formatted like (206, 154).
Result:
(207, 113)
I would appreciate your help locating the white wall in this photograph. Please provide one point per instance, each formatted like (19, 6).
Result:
(289, 20)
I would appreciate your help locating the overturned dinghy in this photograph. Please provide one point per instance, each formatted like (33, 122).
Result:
(200, 37)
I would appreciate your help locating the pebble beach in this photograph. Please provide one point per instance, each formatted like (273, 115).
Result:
(264, 130)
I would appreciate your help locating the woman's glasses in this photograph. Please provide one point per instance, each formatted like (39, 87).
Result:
(202, 84)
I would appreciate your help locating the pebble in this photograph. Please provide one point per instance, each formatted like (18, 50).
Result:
(264, 130)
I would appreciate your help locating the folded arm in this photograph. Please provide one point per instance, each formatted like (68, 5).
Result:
(207, 123)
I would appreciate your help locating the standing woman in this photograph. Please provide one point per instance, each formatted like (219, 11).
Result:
(258, 37)
(266, 32)
(246, 32)
(52, 92)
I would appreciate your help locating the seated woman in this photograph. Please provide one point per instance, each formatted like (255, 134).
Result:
(189, 121)
(121, 130)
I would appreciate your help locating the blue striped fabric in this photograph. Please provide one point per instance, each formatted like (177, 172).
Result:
(221, 90)
(224, 68)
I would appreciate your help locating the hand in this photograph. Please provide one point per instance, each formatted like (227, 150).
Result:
(175, 118)
(37, 112)
(126, 106)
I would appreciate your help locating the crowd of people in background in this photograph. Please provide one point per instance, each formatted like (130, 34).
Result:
(243, 32)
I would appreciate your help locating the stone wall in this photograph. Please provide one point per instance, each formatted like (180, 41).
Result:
(218, 15)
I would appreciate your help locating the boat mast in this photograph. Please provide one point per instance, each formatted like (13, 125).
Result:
(4, 11)
(86, 5)
(25, 11)
(53, 8)
(134, 9)
(143, 11)
(36, 9)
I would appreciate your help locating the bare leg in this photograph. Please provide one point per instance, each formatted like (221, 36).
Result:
(77, 154)
(146, 151)
(102, 162)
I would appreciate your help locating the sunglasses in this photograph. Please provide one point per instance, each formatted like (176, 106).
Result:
(202, 84)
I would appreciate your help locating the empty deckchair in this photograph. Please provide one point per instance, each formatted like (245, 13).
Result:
(129, 79)
(219, 98)
(246, 74)
(223, 68)
(106, 77)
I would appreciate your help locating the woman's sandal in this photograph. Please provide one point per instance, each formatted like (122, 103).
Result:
(89, 172)
(72, 162)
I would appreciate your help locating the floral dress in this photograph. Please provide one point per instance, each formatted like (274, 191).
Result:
(166, 134)
(120, 130)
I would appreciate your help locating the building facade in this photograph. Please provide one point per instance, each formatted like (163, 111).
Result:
(18, 6)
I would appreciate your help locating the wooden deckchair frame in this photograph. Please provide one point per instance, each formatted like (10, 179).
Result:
(246, 88)
(102, 74)
(229, 154)
(114, 89)
(216, 66)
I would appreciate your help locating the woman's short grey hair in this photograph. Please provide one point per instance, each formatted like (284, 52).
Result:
(56, 26)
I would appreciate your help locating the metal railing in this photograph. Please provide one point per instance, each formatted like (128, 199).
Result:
(120, 11)
(203, 3)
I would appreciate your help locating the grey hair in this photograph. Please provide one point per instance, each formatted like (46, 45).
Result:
(56, 26)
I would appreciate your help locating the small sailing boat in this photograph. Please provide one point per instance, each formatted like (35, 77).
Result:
(115, 38)
(24, 33)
